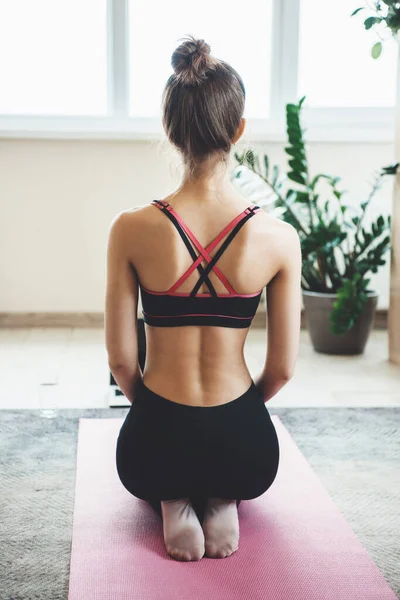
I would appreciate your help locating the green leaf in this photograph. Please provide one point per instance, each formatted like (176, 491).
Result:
(350, 304)
(371, 21)
(391, 169)
(301, 101)
(275, 175)
(380, 222)
(266, 165)
(291, 196)
(250, 158)
(357, 11)
(296, 177)
(302, 197)
(376, 50)
(295, 152)
(297, 165)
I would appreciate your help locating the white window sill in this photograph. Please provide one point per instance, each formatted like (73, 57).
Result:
(322, 125)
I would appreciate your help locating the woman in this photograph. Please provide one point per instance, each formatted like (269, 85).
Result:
(198, 437)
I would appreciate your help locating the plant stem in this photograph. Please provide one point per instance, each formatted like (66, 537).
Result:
(375, 188)
(344, 259)
(321, 271)
(339, 199)
(305, 281)
(280, 198)
(309, 203)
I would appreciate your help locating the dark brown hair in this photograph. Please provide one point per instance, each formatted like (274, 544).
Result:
(203, 103)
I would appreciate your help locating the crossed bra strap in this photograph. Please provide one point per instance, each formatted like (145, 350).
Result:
(189, 238)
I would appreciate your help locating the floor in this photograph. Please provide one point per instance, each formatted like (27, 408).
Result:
(67, 368)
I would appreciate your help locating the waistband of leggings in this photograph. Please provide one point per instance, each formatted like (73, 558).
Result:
(145, 392)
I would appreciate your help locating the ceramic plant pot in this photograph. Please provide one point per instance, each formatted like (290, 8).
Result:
(318, 308)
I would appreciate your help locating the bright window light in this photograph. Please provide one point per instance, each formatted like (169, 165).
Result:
(53, 57)
(335, 64)
(239, 34)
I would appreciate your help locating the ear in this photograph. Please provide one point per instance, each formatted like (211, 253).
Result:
(239, 131)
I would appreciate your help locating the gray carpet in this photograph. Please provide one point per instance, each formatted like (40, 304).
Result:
(354, 451)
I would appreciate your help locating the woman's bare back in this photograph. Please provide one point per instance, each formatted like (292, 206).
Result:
(201, 365)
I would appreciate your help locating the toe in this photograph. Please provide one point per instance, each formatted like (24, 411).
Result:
(216, 551)
(212, 550)
(198, 555)
(230, 549)
(177, 554)
(183, 555)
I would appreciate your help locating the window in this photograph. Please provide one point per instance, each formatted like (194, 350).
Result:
(238, 34)
(335, 64)
(98, 67)
(53, 57)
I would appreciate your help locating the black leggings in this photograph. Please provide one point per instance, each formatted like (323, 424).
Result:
(167, 450)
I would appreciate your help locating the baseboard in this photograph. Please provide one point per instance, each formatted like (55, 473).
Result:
(52, 319)
(381, 319)
(96, 320)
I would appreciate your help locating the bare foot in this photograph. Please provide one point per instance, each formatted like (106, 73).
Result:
(183, 535)
(221, 527)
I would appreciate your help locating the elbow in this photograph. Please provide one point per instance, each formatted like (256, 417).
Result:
(284, 375)
(116, 365)
(278, 374)
(124, 368)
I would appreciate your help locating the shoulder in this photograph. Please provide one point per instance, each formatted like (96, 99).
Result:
(129, 220)
(280, 231)
(287, 233)
(283, 239)
(289, 246)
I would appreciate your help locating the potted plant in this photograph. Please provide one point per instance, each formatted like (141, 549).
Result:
(338, 249)
(385, 20)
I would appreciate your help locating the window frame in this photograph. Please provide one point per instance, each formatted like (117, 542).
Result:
(326, 124)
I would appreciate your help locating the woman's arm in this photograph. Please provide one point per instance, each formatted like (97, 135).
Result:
(121, 308)
(283, 318)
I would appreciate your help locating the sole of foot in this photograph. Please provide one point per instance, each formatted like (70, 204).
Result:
(221, 528)
(183, 534)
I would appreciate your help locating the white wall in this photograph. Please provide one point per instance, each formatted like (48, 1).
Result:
(58, 197)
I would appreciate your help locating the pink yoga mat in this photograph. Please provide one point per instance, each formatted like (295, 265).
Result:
(294, 542)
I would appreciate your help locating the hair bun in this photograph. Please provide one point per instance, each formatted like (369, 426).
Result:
(192, 61)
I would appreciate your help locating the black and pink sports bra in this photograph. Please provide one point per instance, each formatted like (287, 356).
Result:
(175, 309)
